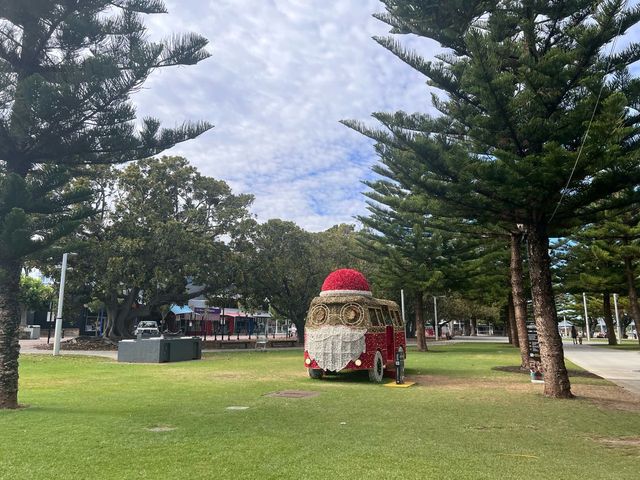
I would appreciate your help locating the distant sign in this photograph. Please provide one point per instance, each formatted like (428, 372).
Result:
(534, 345)
(535, 365)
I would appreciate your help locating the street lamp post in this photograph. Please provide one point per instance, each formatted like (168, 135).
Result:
(586, 315)
(435, 315)
(58, 329)
(615, 305)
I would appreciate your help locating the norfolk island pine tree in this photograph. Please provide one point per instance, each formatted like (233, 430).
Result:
(521, 82)
(67, 70)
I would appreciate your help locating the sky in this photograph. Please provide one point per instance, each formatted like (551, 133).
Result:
(282, 74)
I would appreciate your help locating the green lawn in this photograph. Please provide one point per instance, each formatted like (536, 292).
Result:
(89, 418)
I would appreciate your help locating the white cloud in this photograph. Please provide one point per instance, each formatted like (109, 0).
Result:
(282, 74)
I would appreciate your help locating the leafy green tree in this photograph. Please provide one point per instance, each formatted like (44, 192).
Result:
(166, 226)
(286, 265)
(67, 70)
(34, 295)
(530, 97)
(286, 269)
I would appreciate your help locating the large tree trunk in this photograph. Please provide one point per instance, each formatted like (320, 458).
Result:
(511, 322)
(120, 316)
(300, 330)
(556, 379)
(473, 327)
(608, 318)
(633, 293)
(519, 298)
(419, 315)
(9, 337)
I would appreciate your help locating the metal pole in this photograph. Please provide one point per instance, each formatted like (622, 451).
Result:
(615, 304)
(58, 329)
(586, 315)
(435, 315)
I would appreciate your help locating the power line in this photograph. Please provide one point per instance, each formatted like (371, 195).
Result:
(593, 114)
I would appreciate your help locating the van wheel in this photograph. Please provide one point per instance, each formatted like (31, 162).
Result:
(377, 372)
(315, 373)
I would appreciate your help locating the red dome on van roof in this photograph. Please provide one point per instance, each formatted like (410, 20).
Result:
(346, 280)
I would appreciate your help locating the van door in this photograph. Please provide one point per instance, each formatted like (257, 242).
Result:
(390, 343)
(389, 333)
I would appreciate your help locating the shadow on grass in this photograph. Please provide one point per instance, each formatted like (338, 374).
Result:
(572, 373)
(356, 376)
(465, 348)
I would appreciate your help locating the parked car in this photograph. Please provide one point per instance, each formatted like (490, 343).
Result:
(147, 327)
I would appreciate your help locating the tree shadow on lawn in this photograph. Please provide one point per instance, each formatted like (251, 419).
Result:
(571, 372)
(465, 348)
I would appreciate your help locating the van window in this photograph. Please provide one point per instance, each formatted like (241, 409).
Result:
(386, 315)
(373, 315)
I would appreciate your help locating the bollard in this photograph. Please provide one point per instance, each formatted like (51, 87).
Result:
(399, 366)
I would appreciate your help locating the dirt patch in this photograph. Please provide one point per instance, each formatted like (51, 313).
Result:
(453, 383)
(572, 373)
(620, 442)
(161, 428)
(82, 343)
(293, 394)
(609, 397)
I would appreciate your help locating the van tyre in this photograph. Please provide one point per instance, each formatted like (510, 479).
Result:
(315, 373)
(377, 372)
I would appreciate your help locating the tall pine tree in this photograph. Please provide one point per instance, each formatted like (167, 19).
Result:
(67, 70)
(522, 83)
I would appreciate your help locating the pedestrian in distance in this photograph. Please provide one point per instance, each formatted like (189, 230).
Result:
(574, 334)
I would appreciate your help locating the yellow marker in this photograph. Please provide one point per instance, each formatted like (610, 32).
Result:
(402, 385)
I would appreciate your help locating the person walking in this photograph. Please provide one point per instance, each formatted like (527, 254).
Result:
(574, 334)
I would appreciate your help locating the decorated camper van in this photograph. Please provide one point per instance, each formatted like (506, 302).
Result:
(348, 329)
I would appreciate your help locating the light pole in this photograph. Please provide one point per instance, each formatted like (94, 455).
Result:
(58, 329)
(615, 305)
(586, 315)
(435, 316)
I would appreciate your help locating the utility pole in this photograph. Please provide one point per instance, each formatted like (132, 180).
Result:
(586, 315)
(58, 329)
(435, 315)
(615, 304)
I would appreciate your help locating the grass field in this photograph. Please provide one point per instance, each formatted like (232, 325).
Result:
(91, 418)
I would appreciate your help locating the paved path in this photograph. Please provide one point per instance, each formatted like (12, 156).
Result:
(621, 367)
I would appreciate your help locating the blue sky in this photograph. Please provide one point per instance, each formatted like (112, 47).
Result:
(281, 76)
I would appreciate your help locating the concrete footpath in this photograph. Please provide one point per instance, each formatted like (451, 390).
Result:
(621, 367)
